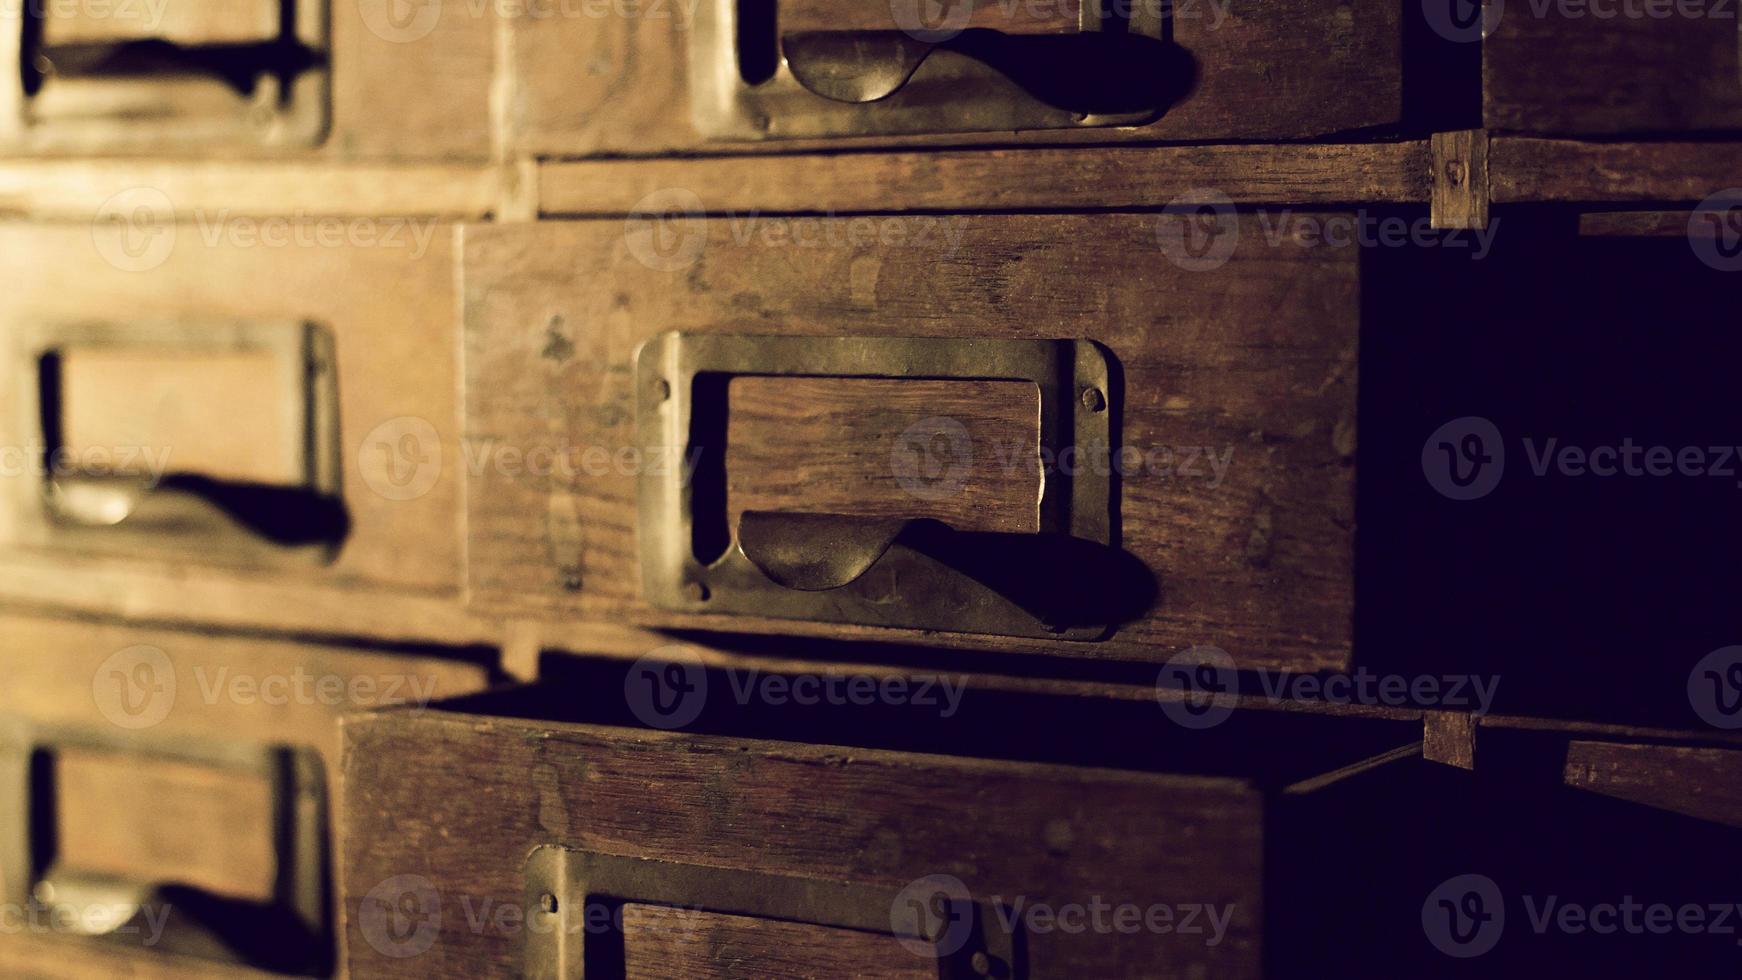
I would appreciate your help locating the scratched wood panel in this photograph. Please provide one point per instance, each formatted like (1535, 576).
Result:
(388, 303)
(824, 446)
(1265, 69)
(684, 944)
(1659, 70)
(1053, 835)
(1705, 783)
(1239, 397)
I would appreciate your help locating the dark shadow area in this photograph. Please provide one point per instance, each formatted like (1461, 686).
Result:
(1376, 872)
(1589, 596)
(1269, 748)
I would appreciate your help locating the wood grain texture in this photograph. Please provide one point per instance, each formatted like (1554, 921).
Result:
(156, 820)
(389, 308)
(1253, 361)
(1525, 170)
(1460, 196)
(823, 446)
(1705, 783)
(970, 180)
(1052, 835)
(1449, 738)
(683, 944)
(1635, 224)
(413, 81)
(1271, 69)
(1639, 74)
(80, 188)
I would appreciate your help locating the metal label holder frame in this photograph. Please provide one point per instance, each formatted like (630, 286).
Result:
(903, 589)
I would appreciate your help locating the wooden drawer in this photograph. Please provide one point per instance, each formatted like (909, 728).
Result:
(168, 799)
(751, 857)
(369, 79)
(1611, 69)
(251, 418)
(1221, 511)
(745, 73)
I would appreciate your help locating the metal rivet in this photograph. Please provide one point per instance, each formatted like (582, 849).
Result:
(662, 387)
(547, 902)
(572, 581)
(981, 964)
(696, 592)
(1093, 400)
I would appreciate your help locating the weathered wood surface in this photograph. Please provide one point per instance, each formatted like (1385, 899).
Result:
(1525, 170)
(823, 446)
(978, 180)
(1705, 783)
(679, 944)
(1052, 835)
(80, 188)
(1252, 361)
(1282, 69)
(1644, 73)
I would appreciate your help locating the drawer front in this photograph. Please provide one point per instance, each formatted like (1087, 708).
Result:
(374, 79)
(914, 389)
(167, 801)
(235, 404)
(1561, 69)
(663, 78)
(544, 849)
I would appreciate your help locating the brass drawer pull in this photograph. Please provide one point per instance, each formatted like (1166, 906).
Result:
(1061, 576)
